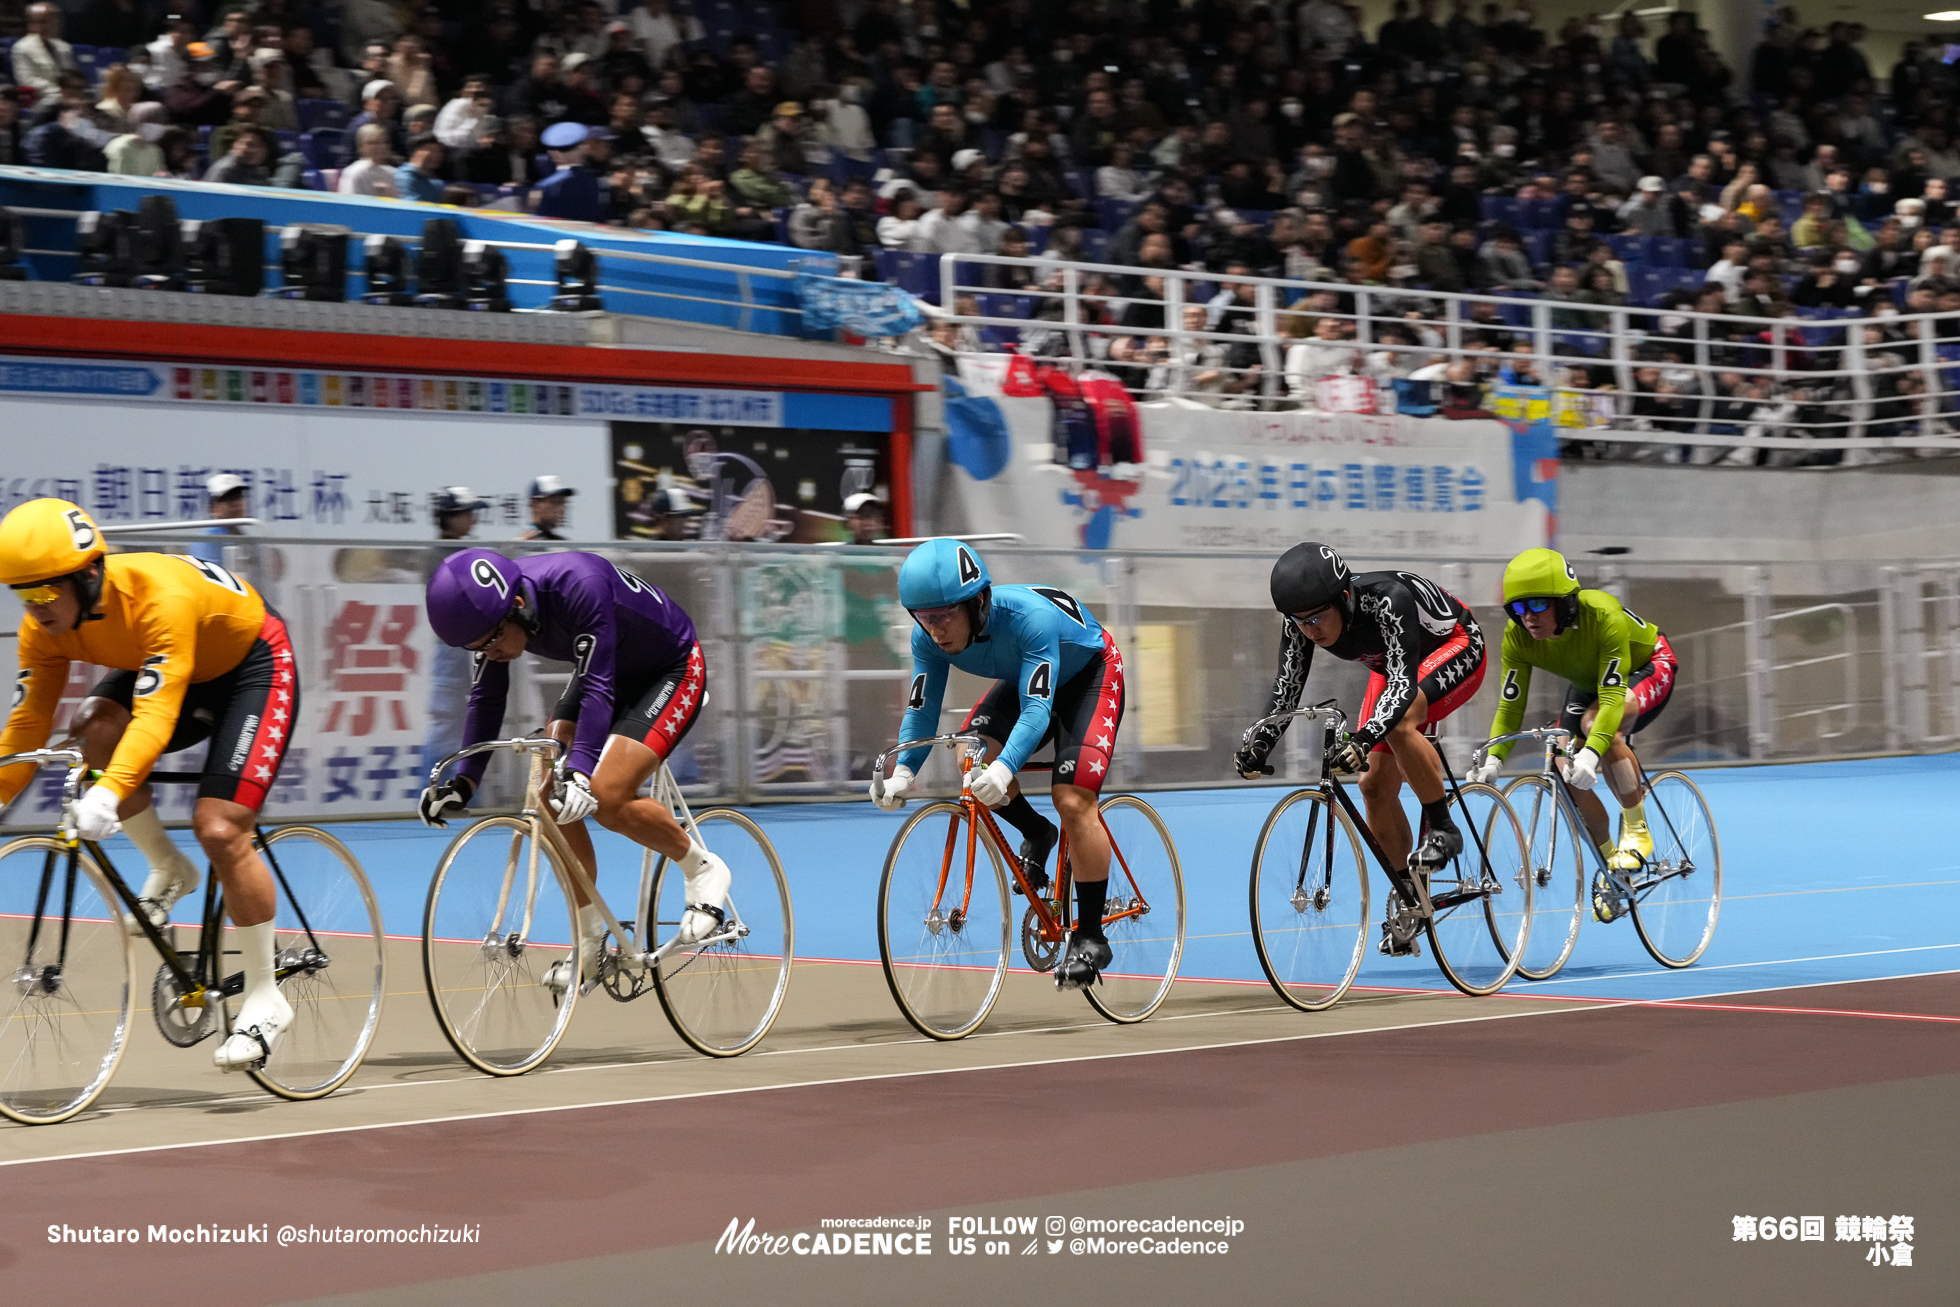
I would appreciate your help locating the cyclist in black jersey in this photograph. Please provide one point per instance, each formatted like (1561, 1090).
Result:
(1425, 653)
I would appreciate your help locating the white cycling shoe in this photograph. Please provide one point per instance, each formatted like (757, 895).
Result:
(557, 977)
(706, 891)
(160, 893)
(262, 1018)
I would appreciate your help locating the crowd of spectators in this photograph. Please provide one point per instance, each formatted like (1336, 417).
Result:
(1608, 162)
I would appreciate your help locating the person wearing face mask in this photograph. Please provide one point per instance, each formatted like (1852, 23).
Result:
(841, 122)
(1831, 282)
(202, 96)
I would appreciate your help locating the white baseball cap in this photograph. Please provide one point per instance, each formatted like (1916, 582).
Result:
(856, 503)
(224, 483)
(546, 486)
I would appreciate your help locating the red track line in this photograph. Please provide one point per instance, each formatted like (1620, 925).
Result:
(1800, 1011)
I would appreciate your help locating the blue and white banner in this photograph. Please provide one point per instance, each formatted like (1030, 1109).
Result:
(863, 308)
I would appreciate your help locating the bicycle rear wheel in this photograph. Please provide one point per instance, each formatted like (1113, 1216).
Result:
(499, 914)
(723, 995)
(1143, 918)
(942, 932)
(64, 1018)
(327, 945)
(1558, 875)
(1482, 899)
(1309, 901)
(1677, 893)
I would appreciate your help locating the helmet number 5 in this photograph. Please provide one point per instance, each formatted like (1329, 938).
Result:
(80, 529)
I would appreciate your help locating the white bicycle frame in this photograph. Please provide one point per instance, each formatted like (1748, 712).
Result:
(665, 790)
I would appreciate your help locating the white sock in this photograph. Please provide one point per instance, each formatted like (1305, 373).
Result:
(255, 952)
(591, 922)
(694, 859)
(168, 865)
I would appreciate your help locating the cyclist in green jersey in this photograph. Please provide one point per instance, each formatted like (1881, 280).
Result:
(1621, 672)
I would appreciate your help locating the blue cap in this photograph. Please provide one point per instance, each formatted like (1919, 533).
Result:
(563, 136)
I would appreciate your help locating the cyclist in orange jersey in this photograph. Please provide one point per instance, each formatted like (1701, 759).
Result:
(198, 656)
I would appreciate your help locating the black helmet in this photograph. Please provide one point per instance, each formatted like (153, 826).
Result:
(1310, 576)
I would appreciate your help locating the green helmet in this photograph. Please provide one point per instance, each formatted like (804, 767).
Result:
(1542, 574)
(1537, 572)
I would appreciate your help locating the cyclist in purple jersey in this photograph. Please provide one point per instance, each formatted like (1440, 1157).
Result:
(638, 682)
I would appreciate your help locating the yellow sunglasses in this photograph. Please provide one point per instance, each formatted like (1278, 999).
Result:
(44, 593)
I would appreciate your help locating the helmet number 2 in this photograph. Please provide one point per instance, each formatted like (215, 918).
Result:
(1040, 680)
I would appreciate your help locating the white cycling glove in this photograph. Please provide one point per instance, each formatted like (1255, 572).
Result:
(575, 799)
(95, 814)
(1582, 773)
(990, 786)
(890, 796)
(1484, 772)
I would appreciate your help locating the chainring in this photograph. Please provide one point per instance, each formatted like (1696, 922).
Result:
(624, 984)
(181, 1025)
(1040, 953)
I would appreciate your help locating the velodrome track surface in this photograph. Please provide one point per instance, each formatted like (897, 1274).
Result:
(1585, 1140)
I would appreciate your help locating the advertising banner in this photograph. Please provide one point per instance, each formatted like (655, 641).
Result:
(1235, 482)
(679, 481)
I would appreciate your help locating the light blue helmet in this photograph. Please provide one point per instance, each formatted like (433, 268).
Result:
(941, 573)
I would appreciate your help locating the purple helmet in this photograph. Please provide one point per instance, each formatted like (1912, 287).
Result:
(470, 593)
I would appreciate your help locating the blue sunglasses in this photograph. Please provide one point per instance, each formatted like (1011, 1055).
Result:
(1519, 607)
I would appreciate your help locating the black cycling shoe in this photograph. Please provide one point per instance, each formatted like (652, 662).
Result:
(1082, 965)
(1438, 846)
(1034, 863)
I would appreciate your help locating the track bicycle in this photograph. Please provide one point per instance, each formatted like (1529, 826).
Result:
(69, 957)
(1674, 897)
(502, 912)
(944, 923)
(1309, 888)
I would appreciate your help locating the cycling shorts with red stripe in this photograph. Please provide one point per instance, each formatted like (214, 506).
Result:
(1082, 723)
(1448, 678)
(657, 711)
(247, 714)
(1648, 690)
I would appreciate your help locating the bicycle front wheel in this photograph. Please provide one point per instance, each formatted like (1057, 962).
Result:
(1309, 901)
(723, 994)
(1143, 915)
(1482, 898)
(1558, 875)
(499, 915)
(327, 950)
(64, 1017)
(942, 929)
(1677, 893)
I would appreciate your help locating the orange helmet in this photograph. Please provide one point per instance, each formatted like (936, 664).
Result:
(47, 538)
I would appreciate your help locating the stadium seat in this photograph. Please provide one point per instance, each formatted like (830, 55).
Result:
(1115, 213)
(1095, 244)
(1541, 214)
(321, 146)
(1538, 246)
(316, 114)
(1038, 234)
(1504, 208)
(1629, 248)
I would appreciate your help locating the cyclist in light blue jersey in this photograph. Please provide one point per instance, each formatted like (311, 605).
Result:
(1058, 676)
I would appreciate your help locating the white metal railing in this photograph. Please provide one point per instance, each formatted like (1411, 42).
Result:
(1610, 375)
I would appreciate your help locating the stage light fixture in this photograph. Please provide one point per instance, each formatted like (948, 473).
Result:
(313, 263)
(102, 246)
(485, 270)
(12, 238)
(224, 256)
(440, 267)
(578, 279)
(157, 245)
(387, 272)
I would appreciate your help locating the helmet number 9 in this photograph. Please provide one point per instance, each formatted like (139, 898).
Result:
(1040, 680)
(489, 577)
(149, 678)
(80, 529)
